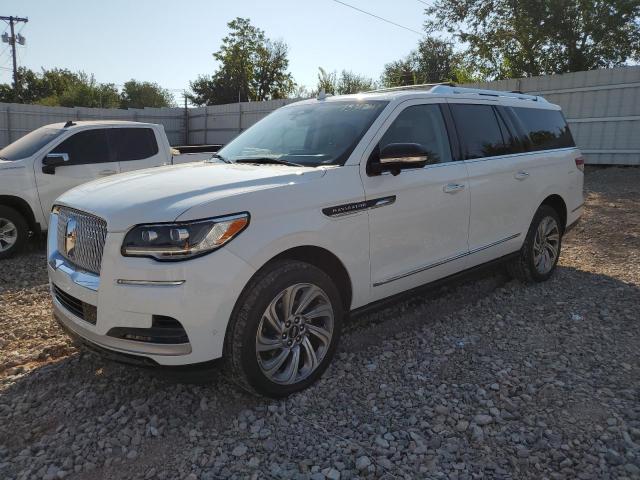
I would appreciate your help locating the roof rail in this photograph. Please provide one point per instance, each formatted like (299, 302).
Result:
(420, 86)
(489, 93)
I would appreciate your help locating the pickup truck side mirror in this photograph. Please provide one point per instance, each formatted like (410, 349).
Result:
(53, 160)
(395, 157)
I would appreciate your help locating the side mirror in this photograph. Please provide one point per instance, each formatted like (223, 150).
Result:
(398, 156)
(53, 160)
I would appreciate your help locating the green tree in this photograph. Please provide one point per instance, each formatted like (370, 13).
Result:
(30, 88)
(251, 67)
(82, 90)
(434, 61)
(350, 82)
(346, 83)
(505, 38)
(137, 94)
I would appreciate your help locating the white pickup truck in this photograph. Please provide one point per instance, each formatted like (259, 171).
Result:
(40, 166)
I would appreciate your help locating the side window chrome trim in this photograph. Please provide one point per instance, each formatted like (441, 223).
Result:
(537, 152)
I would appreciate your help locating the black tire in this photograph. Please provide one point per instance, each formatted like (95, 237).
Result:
(21, 226)
(240, 341)
(523, 267)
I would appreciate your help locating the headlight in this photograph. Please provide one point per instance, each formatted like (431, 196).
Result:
(182, 240)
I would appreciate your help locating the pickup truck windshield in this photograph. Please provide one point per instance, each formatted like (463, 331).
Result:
(29, 144)
(322, 133)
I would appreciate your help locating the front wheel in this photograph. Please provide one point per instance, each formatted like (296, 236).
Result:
(540, 252)
(14, 231)
(285, 329)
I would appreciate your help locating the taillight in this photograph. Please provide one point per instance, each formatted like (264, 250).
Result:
(580, 163)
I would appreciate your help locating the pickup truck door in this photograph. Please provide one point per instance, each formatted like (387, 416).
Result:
(419, 220)
(137, 148)
(89, 158)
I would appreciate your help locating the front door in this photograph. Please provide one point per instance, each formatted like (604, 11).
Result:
(420, 231)
(89, 158)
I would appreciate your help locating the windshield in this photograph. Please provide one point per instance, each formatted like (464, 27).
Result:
(323, 133)
(29, 144)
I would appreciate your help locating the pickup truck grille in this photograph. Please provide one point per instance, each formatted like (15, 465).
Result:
(81, 238)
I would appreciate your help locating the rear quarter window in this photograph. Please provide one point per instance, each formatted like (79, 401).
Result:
(545, 129)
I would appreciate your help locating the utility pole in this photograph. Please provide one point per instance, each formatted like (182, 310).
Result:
(11, 40)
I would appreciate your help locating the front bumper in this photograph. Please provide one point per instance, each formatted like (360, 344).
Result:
(73, 324)
(130, 292)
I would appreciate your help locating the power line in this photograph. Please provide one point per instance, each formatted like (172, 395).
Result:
(379, 18)
(422, 1)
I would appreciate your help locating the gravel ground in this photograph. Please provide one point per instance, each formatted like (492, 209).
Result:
(484, 378)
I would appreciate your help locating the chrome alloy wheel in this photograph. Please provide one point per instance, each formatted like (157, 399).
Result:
(8, 234)
(546, 245)
(294, 333)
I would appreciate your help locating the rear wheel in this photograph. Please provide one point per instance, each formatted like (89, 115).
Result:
(541, 250)
(14, 231)
(284, 330)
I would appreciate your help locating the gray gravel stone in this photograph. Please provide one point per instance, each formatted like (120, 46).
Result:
(405, 397)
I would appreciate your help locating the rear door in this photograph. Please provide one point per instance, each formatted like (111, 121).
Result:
(500, 179)
(90, 157)
(135, 148)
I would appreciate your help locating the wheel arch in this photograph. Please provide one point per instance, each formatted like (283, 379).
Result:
(324, 260)
(22, 207)
(556, 202)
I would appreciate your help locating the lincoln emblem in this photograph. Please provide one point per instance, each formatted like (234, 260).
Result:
(70, 237)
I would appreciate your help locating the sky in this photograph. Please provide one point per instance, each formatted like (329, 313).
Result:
(171, 42)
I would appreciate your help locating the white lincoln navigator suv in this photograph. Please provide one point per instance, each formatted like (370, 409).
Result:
(322, 207)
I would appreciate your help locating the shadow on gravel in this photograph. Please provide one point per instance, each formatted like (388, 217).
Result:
(572, 343)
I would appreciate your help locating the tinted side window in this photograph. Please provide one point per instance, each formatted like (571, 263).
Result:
(90, 146)
(479, 131)
(547, 129)
(422, 124)
(133, 143)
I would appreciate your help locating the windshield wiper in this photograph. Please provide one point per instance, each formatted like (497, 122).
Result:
(267, 160)
(219, 157)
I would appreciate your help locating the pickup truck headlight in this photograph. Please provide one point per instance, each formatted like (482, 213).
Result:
(182, 240)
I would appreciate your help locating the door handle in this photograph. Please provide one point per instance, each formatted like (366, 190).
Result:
(521, 175)
(104, 173)
(453, 187)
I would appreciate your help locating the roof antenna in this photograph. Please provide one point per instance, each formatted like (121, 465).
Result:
(69, 124)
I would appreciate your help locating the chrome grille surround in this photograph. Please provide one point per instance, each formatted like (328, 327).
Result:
(90, 235)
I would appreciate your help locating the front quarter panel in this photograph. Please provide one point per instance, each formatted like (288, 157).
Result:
(291, 216)
(17, 180)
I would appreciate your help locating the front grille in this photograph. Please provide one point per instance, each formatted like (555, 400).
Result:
(82, 245)
(79, 308)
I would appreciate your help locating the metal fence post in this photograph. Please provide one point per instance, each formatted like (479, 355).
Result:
(206, 124)
(239, 118)
(186, 121)
(8, 125)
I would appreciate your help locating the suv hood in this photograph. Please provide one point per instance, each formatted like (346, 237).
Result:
(162, 194)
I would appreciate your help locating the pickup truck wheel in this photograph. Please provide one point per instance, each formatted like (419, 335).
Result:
(13, 231)
(284, 330)
(540, 252)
